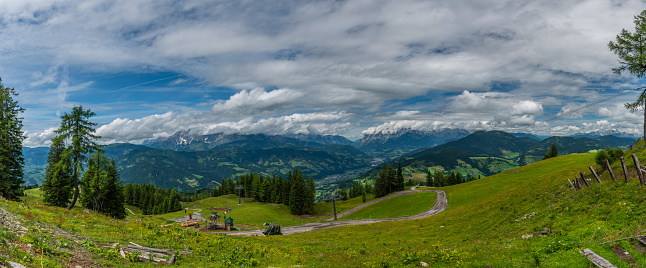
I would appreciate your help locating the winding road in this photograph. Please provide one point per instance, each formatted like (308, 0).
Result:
(440, 205)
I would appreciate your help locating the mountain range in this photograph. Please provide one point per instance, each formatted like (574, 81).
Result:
(486, 153)
(188, 161)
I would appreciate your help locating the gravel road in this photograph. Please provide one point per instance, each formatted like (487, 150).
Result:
(440, 205)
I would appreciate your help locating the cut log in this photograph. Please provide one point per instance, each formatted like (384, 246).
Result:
(157, 254)
(595, 174)
(596, 259)
(150, 249)
(612, 174)
(623, 166)
(638, 169)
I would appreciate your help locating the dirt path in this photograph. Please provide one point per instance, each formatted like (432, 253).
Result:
(440, 205)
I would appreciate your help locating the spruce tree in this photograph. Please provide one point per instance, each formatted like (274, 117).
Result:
(630, 50)
(79, 132)
(399, 180)
(102, 190)
(57, 186)
(11, 159)
(297, 196)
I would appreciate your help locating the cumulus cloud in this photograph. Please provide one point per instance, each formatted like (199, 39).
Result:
(138, 130)
(502, 109)
(323, 57)
(257, 101)
(38, 139)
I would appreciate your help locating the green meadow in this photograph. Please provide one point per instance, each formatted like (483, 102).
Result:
(491, 222)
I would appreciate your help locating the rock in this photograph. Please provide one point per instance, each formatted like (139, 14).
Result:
(527, 236)
(16, 265)
(423, 264)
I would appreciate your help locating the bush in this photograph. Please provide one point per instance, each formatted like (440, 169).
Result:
(601, 157)
(612, 155)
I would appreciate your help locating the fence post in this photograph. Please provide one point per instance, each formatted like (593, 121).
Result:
(623, 165)
(577, 184)
(572, 184)
(639, 169)
(612, 174)
(595, 174)
(584, 179)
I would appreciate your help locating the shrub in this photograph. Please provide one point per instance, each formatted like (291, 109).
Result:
(614, 154)
(601, 157)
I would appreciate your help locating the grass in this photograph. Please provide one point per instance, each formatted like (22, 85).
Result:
(482, 226)
(401, 206)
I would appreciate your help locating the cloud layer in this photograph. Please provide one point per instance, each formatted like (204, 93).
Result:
(330, 67)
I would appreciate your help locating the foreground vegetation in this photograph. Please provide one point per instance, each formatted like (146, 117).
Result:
(483, 225)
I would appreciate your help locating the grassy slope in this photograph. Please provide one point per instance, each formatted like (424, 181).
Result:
(482, 226)
(401, 206)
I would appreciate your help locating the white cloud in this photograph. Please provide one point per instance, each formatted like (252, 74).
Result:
(349, 57)
(256, 101)
(38, 139)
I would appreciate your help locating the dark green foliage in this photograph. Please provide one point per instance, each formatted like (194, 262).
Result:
(387, 182)
(78, 132)
(612, 155)
(601, 157)
(297, 195)
(57, 186)
(101, 187)
(398, 184)
(11, 159)
(552, 152)
(357, 189)
(343, 194)
(151, 199)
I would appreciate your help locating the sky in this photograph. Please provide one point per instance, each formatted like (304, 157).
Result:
(149, 69)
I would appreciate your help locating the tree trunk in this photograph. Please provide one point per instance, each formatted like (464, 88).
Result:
(76, 185)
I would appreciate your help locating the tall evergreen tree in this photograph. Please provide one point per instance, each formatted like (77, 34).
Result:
(630, 49)
(57, 186)
(79, 132)
(399, 180)
(297, 195)
(552, 152)
(429, 179)
(11, 159)
(102, 190)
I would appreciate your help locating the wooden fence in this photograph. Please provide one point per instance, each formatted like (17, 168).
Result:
(578, 183)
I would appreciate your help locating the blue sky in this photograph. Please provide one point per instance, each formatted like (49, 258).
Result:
(152, 68)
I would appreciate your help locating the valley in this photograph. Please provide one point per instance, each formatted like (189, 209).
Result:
(493, 221)
(189, 162)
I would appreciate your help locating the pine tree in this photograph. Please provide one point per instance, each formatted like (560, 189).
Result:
(11, 159)
(102, 189)
(114, 193)
(552, 152)
(57, 186)
(630, 50)
(297, 197)
(76, 129)
(399, 180)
